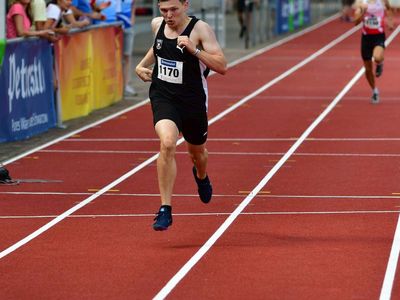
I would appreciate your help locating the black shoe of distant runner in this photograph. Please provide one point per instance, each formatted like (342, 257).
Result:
(163, 218)
(204, 187)
(375, 98)
(379, 70)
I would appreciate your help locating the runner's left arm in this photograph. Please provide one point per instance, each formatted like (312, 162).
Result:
(211, 54)
(389, 10)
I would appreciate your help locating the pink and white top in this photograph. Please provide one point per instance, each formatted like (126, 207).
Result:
(16, 9)
(374, 18)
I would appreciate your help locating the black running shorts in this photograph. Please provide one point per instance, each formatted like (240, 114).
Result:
(191, 121)
(369, 42)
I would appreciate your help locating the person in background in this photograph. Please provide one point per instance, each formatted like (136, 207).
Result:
(371, 13)
(240, 8)
(184, 50)
(123, 11)
(127, 16)
(347, 10)
(244, 12)
(98, 7)
(59, 11)
(18, 23)
(83, 10)
(38, 12)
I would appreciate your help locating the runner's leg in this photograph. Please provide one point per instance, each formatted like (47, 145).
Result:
(167, 132)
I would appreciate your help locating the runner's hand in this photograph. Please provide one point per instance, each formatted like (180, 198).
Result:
(144, 73)
(185, 42)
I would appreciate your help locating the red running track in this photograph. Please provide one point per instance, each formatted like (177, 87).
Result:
(306, 193)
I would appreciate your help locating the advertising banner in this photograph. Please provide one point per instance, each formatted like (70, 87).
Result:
(107, 66)
(26, 90)
(74, 54)
(292, 14)
(89, 70)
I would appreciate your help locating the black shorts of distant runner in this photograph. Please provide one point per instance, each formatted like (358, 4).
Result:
(369, 42)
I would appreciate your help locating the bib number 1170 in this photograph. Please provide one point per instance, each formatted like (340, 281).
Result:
(170, 70)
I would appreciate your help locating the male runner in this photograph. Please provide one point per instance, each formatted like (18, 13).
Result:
(184, 50)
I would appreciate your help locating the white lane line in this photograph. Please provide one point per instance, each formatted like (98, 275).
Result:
(390, 273)
(210, 214)
(180, 141)
(164, 292)
(321, 98)
(270, 196)
(146, 101)
(227, 153)
(387, 286)
(266, 139)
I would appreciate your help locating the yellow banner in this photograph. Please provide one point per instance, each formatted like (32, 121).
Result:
(90, 70)
(107, 72)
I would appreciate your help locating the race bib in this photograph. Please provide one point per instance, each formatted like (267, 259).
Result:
(170, 70)
(372, 22)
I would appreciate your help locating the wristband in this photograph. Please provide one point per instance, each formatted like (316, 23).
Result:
(196, 52)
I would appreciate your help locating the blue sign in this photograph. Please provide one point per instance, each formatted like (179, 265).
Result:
(26, 90)
(292, 14)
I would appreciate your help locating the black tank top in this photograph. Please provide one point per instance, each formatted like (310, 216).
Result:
(178, 72)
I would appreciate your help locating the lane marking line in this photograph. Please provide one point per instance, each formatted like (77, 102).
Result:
(259, 195)
(229, 153)
(164, 292)
(390, 273)
(217, 214)
(96, 190)
(266, 139)
(260, 192)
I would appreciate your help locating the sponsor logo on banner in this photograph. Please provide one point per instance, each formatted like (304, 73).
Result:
(26, 90)
(25, 80)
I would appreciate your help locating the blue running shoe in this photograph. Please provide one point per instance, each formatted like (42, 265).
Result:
(163, 218)
(204, 187)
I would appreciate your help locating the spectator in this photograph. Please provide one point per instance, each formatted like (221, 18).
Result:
(83, 10)
(347, 10)
(19, 24)
(123, 11)
(244, 12)
(99, 7)
(59, 10)
(38, 12)
(127, 16)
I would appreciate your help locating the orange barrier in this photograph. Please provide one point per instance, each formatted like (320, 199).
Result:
(89, 67)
